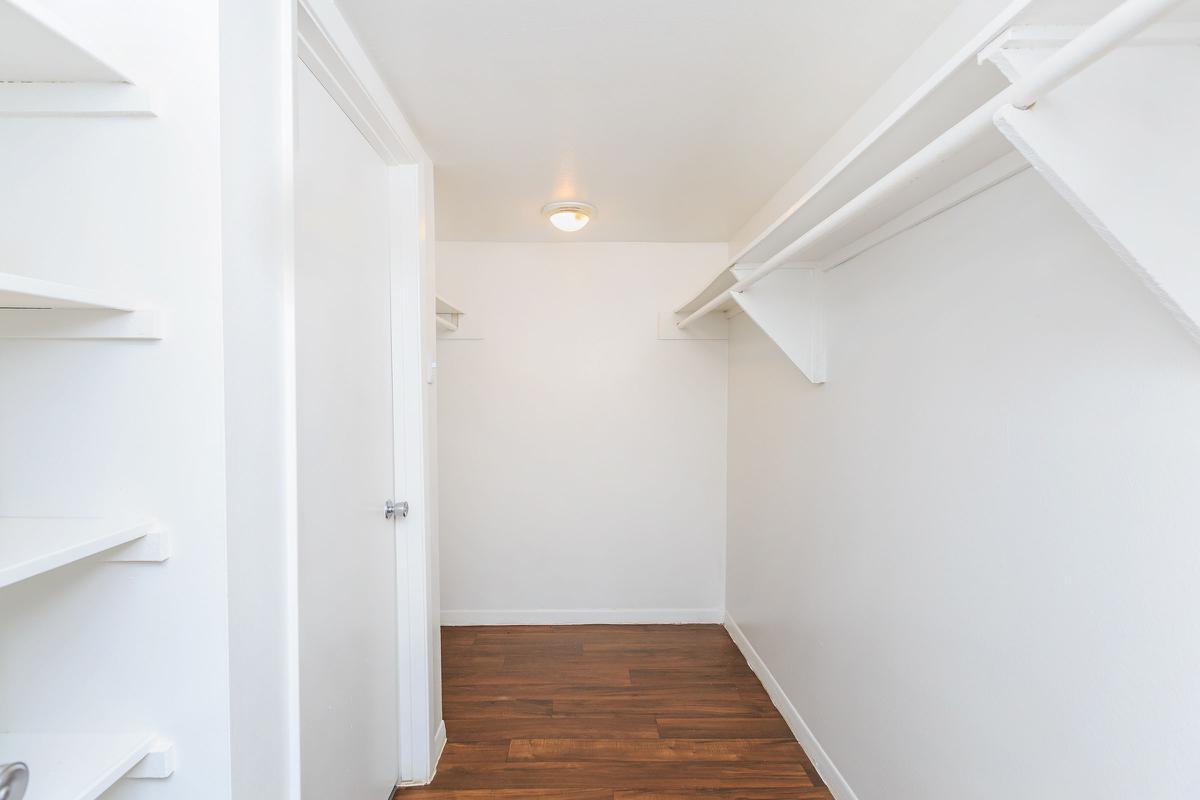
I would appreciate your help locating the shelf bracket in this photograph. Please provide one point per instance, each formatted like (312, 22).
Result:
(155, 546)
(1118, 143)
(157, 764)
(787, 305)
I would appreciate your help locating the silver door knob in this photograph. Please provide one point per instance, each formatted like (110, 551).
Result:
(392, 510)
(14, 778)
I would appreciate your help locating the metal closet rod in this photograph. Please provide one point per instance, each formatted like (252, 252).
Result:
(1122, 23)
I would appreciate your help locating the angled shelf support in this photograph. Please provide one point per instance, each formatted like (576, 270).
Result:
(1119, 144)
(37, 309)
(50, 67)
(787, 306)
(454, 323)
(85, 766)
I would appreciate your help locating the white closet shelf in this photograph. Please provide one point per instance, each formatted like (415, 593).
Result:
(32, 545)
(954, 90)
(37, 309)
(17, 291)
(51, 66)
(84, 766)
(961, 161)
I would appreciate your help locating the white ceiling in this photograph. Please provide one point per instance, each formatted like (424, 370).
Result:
(676, 118)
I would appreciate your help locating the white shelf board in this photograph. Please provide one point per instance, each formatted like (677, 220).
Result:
(17, 291)
(74, 766)
(718, 284)
(38, 46)
(952, 92)
(32, 545)
(955, 90)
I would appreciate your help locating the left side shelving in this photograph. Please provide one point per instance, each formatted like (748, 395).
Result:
(60, 69)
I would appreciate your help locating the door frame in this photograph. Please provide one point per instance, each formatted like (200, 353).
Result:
(326, 44)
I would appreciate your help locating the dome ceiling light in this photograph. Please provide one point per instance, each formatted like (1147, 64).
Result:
(570, 215)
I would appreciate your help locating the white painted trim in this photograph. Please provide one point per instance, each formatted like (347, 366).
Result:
(414, 541)
(327, 46)
(439, 747)
(439, 741)
(816, 754)
(584, 616)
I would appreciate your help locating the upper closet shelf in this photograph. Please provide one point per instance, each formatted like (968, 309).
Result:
(935, 149)
(954, 90)
(84, 766)
(52, 67)
(37, 309)
(960, 86)
(32, 545)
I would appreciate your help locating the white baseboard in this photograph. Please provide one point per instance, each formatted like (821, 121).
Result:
(820, 759)
(586, 616)
(439, 747)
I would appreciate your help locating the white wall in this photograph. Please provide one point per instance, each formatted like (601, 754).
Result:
(970, 559)
(582, 460)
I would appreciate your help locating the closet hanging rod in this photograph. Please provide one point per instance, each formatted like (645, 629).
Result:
(1120, 24)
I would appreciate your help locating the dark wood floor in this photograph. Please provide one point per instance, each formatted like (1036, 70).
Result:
(610, 712)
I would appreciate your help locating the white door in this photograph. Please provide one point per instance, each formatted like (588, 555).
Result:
(347, 549)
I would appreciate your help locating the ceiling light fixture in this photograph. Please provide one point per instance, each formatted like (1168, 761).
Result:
(570, 215)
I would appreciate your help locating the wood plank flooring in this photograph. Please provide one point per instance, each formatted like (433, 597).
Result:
(610, 712)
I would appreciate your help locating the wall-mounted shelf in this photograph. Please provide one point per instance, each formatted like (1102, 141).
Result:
(955, 89)
(50, 67)
(84, 766)
(967, 158)
(32, 545)
(37, 309)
